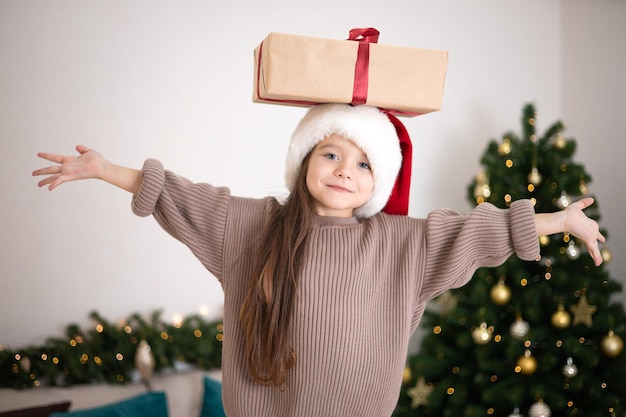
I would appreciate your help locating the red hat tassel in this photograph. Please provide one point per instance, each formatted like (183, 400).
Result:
(398, 202)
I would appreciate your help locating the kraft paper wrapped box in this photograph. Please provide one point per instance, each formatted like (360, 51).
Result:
(302, 71)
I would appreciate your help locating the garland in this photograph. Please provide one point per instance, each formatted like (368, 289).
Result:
(106, 352)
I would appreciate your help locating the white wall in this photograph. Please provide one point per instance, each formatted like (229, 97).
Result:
(594, 64)
(172, 80)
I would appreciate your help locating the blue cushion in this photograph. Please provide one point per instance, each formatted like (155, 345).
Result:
(151, 404)
(212, 401)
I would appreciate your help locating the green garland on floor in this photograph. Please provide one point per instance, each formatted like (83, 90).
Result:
(106, 352)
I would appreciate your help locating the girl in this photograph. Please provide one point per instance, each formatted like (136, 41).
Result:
(322, 292)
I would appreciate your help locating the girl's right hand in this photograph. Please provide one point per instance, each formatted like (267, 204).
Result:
(88, 164)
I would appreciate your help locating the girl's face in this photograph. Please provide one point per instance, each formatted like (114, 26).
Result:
(339, 177)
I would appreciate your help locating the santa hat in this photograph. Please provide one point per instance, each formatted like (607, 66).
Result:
(380, 135)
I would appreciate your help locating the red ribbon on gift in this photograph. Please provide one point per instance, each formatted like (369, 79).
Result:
(364, 36)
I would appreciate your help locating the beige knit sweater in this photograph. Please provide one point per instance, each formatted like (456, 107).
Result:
(361, 294)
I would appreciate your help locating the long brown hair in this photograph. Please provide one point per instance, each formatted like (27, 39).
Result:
(268, 308)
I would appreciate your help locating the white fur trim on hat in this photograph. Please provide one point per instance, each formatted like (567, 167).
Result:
(366, 126)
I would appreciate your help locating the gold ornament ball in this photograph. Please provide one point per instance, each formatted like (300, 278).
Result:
(561, 318)
(560, 142)
(500, 293)
(527, 364)
(406, 376)
(607, 255)
(612, 345)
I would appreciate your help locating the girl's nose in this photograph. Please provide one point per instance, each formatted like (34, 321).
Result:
(343, 171)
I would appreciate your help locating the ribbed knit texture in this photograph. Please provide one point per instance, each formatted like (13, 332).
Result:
(361, 293)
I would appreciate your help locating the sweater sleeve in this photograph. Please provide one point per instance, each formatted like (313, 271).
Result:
(193, 213)
(458, 245)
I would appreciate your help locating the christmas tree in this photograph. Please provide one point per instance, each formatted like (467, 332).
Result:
(529, 339)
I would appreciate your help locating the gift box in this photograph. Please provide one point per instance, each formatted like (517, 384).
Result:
(302, 71)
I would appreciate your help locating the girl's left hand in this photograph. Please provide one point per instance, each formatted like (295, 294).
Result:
(583, 228)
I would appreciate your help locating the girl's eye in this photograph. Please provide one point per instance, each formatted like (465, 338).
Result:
(364, 165)
(331, 156)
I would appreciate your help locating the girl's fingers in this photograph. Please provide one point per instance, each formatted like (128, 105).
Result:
(46, 181)
(46, 171)
(50, 157)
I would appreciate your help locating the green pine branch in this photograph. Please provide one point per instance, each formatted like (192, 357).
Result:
(105, 352)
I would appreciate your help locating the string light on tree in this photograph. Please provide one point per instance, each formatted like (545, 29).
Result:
(563, 201)
(482, 334)
(505, 146)
(482, 190)
(572, 251)
(516, 413)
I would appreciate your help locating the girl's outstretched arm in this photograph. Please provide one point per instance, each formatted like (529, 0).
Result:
(88, 164)
(573, 220)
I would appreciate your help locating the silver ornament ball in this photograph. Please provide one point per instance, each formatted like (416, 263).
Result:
(539, 409)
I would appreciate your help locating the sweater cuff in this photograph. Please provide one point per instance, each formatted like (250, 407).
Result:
(523, 230)
(145, 200)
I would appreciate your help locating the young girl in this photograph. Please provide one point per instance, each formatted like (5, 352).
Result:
(323, 291)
